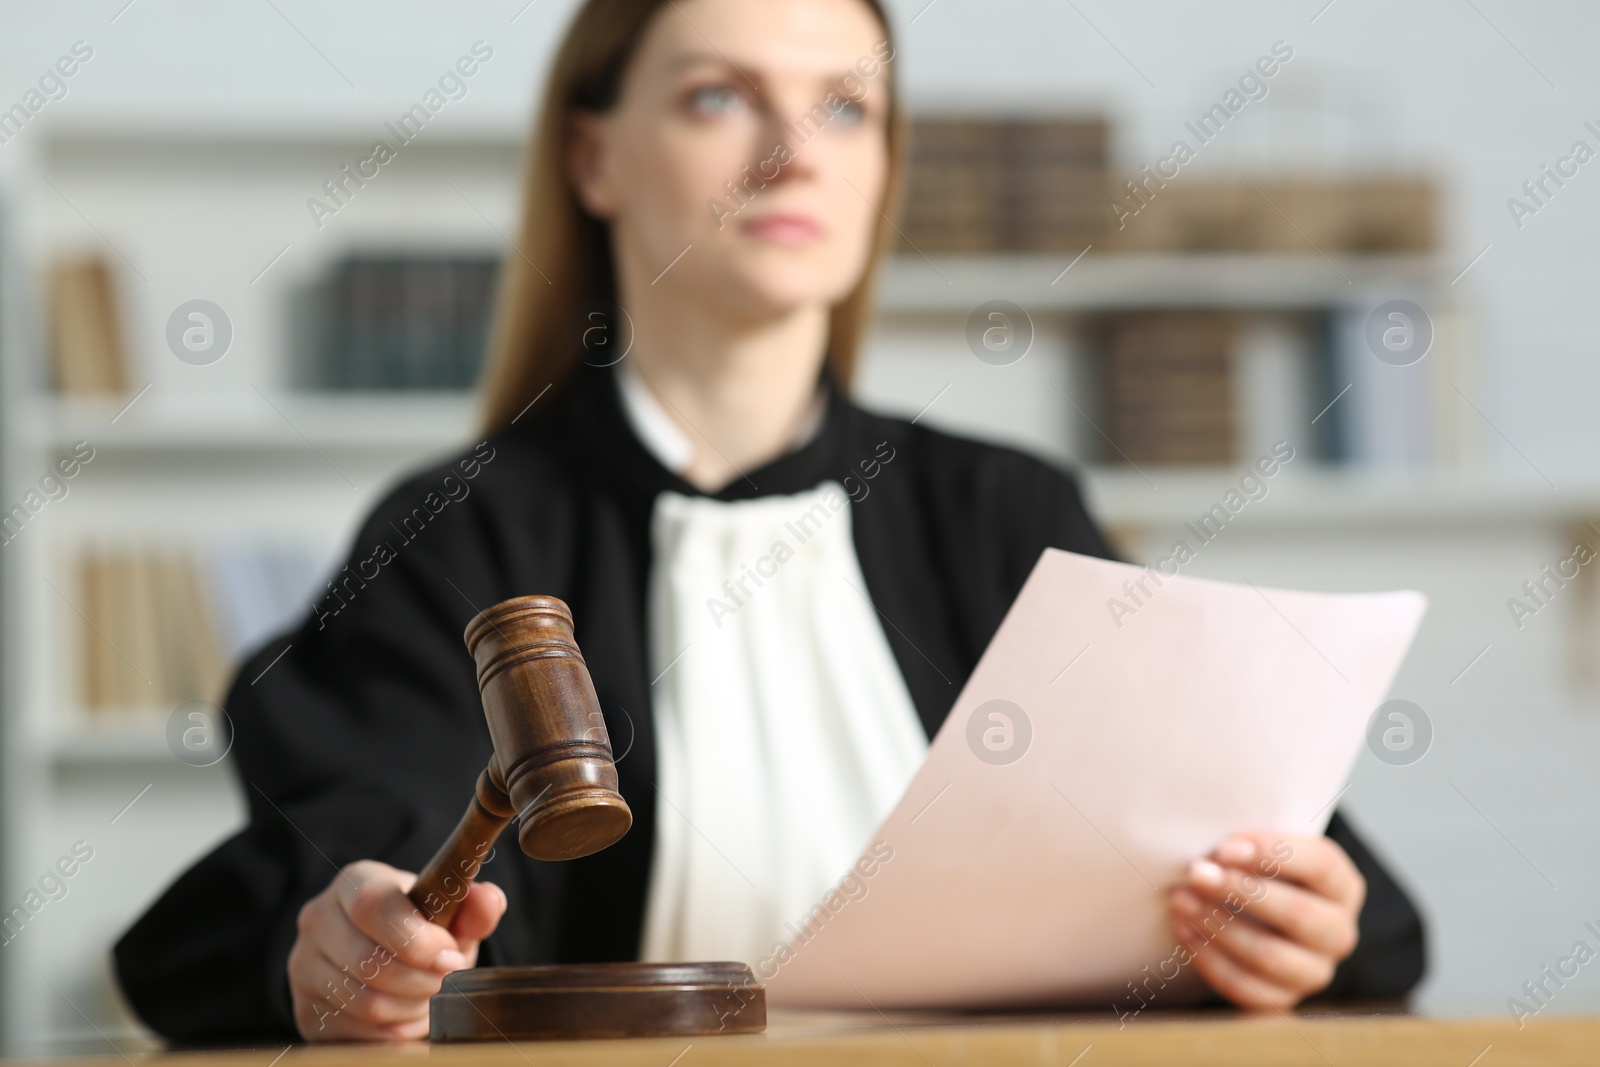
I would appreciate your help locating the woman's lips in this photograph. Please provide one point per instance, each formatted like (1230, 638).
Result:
(785, 229)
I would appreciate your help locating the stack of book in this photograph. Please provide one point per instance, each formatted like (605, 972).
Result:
(404, 322)
(1167, 387)
(992, 186)
(86, 340)
(1172, 382)
(160, 627)
(148, 636)
(1359, 216)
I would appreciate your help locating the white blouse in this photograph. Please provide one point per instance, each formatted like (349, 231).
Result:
(785, 732)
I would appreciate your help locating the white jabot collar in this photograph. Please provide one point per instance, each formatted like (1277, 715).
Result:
(785, 733)
(666, 441)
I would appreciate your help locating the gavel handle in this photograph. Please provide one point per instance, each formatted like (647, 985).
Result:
(443, 883)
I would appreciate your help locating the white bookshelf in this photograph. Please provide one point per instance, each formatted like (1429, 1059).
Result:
(1332, 498)
(210, 455)
(1055, 283)
(139, 740)
(253, 421)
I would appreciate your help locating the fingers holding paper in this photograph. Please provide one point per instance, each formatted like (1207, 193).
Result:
(1267, 919)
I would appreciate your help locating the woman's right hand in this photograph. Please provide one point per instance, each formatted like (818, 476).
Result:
(366, 961)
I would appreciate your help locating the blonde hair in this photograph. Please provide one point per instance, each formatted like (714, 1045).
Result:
(534, 343)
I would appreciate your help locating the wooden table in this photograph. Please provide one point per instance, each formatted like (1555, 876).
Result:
(805, 1039)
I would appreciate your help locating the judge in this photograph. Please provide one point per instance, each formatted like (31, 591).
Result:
(778, 593)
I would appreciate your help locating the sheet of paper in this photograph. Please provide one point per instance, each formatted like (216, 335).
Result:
(1114, 729)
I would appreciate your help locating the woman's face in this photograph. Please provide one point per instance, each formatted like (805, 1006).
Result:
(752, 135)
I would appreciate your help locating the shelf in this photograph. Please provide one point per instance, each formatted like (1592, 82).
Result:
(911, 283)
(111, 737)
(1331, 497)
(200, 128)
(1311, 498)
(254, 421)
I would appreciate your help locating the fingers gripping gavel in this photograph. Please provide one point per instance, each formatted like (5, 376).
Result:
(552, 763)
(552, 769)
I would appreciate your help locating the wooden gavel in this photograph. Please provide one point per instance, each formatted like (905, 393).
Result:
(552, 769)
(552, 764)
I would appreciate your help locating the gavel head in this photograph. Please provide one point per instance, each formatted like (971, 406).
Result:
(550, 740)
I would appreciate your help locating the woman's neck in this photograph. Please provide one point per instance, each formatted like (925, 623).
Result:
(739, 390)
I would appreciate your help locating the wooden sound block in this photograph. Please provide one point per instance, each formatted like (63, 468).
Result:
(589, 1000)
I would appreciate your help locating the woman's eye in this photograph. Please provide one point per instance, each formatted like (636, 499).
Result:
(714, 100)
(852, 114)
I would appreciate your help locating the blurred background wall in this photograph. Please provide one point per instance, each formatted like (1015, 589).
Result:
(1159, 337)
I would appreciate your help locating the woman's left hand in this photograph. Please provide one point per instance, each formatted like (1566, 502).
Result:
(1267, 918)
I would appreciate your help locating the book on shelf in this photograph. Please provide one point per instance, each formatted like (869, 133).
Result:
(1360, 216)
(1004, 185)
(396, 322)
(996, 185)
(87, 351)
(259, 589)
(1385, 417)
(158, 627)
(1278, 385)
(1167, 386)
(1213, 387)
(147, 634)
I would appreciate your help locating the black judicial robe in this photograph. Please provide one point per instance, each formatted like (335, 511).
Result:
(359, 734)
